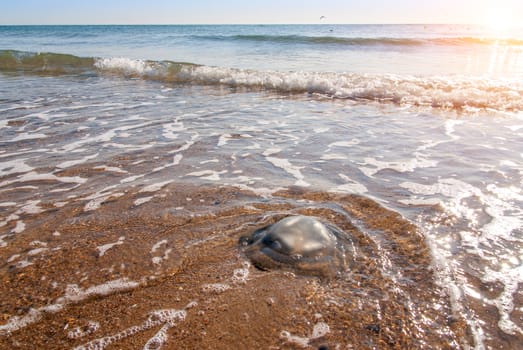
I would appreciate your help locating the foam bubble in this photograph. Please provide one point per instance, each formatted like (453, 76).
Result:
(405, 166)
(155, 187)
(215, 288)
(350, 187)
(158, 260)
(37, 251)
(131, 178)
(124, 65)
(80, 332)
(3, 244)
(31, 207)
(241, 275)
(157, 245)
(176, 160)
(71, 163)
(347, 144)
(167, 317)
(20, 227)
(104, 248)
(96, 200)
(111, 169)
(142, 200)
(33, 176)
(27, 136)
(14, 167)
(320, 329)
(290, 169)
(211, 175)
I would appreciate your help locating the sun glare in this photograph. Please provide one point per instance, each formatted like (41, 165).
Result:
(500, 20)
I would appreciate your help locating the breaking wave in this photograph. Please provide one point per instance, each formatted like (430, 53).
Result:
(455, 93)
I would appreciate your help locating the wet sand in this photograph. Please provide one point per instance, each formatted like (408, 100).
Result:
(169, 273)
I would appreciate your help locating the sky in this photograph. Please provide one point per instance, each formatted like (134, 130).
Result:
(257, 11)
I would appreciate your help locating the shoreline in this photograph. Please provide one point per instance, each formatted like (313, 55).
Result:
(112, 279)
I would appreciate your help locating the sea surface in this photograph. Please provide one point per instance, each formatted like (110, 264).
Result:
(425, 121)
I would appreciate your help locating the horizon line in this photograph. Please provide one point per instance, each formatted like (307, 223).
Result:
(232, 24)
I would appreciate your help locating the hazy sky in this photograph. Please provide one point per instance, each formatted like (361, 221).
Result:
(255, 11)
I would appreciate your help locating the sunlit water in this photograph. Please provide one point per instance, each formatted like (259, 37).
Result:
(426, 120)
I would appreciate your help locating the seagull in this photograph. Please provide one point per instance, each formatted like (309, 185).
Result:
(322, 17)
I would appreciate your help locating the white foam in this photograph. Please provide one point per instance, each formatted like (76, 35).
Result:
(224, 139)
(80, 332)
(33, 176)
(23, 263)
(260, 191)
(157, 245)
(97, 199)
(215, 288)
(111, 169)
(241, 275)
(10, 218)
(155, 187)
(96, 203)
(104, 248)
(505, 217)
(320, 329)
(31, 207)
(171, 130)
(104, 138)
(168, 317)
(13, 258)
(511, 277)
(211, 175)
(290, 169)
(131, 178)
(71, 163)
(271, 151)
(3, 244)
(176, 160)
(73, 294)
(37, 251)
(347, 144)
(294, 339)
(157, 260)
(20, 227)
(27, 136)
(209, 161)
(186, 146)
(334, 156)
(142, 200)
(124, 65)
(14, 166)
(405, 166)
(353, 188)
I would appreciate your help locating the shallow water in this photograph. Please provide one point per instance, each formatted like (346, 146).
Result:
(122, 189)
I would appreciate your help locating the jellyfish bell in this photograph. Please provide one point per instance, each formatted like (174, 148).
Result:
(300, 243)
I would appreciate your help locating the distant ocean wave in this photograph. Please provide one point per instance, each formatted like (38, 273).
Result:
(344, 41)
(453, 93)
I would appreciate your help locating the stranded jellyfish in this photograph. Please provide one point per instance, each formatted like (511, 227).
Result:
(300, 243)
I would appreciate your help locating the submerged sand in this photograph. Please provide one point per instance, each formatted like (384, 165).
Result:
(138, 271)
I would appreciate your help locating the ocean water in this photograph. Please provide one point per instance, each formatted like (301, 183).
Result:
(424, 120)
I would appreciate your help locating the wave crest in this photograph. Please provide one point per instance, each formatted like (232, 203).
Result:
(455, 93)
(362, 41)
